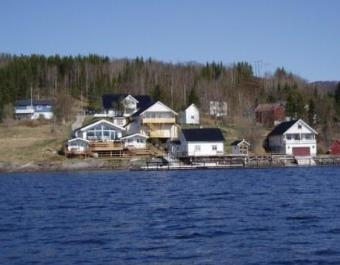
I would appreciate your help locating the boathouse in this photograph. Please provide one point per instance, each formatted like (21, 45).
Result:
(240, 147)
(198, 142)
(292, 138)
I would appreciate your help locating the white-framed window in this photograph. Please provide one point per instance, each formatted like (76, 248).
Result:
(214, 147)
(197, 148)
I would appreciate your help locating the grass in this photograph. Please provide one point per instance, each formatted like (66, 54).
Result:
(26, 142)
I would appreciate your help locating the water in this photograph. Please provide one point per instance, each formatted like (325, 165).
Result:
(271, 216)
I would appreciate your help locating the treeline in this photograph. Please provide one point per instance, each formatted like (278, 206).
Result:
(63, 78)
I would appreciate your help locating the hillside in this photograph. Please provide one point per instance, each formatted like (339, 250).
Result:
(86, 78)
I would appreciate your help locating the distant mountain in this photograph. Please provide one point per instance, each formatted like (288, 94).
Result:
(325, 86)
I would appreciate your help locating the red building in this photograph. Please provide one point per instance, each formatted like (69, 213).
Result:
(335, 148)
(269, 114)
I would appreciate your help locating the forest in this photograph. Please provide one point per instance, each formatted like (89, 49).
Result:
(64, 78)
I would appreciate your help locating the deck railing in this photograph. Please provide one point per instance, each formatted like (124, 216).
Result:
(105, 146)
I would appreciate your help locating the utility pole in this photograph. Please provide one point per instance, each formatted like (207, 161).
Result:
(31, 96)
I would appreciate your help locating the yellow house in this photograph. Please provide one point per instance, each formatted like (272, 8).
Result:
(159, 121)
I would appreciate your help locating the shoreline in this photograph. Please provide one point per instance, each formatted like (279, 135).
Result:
(66, 165)
(124, 164)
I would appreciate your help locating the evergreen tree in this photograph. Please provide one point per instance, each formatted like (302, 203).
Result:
(193, 98)
(157, 93)
(337, 98)
(311, 111)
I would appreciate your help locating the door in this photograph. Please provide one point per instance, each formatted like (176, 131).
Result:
(301, 151)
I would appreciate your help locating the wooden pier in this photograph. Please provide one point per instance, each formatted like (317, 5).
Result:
(229, 161)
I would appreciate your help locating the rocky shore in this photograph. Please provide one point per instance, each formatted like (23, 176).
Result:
(65, 165)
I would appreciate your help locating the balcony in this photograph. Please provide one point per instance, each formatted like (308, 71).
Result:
(159, 134)
(303, 141)
(159, 120)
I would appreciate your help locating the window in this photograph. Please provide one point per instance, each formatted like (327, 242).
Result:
(197, 148)
(214, 147)
(192, 117)
(299, 126)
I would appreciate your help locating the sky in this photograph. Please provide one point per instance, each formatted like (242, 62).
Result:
(303, 36)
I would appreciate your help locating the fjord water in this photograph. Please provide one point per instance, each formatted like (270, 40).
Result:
(259, 216)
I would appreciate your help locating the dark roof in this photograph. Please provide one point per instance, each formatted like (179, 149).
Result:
(27, 102)
(236, 142)
(109, 99)
(203, 135)
(144, 101)
(282, 128)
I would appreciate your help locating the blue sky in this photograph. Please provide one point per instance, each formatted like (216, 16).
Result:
(301, 35)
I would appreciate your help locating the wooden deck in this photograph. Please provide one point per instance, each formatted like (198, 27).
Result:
(105, 146)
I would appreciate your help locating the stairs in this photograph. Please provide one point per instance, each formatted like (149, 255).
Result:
(305, 160)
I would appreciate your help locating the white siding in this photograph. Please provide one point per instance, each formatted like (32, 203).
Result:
(136, 142)
(295, 136)
(191, 115)
(205, 148)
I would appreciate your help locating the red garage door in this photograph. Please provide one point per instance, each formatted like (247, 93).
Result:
(301, 151)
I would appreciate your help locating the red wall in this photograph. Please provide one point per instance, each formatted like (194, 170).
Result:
(335, 148)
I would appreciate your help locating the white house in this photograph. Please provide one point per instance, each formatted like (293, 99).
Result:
(77, 145)
(135, 141)
(158, 121)
(198, 142)
(293, 138)
(123, 105)
(190, 115)
(34, 109)
(101, 130)
(240, 147)
(218, 108)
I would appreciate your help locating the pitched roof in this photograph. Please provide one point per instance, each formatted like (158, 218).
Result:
(77, 139)
(89, 125)
(133, 135)
(267, 107)
(27, 102)
(162, 105)
(109, 99)
(203, 135)
(237, 142)
(144, 102)
(282, 127)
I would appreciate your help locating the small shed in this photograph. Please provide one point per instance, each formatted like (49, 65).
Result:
(334, 149)
(240, 147)
(190, 115)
